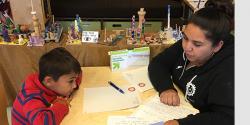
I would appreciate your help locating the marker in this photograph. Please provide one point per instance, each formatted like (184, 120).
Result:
(116, 87)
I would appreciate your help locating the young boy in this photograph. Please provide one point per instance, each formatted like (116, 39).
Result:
(44, 96)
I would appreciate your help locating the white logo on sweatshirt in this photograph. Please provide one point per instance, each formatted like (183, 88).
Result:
(190, 88)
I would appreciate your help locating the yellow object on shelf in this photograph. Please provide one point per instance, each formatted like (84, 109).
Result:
(14, 42)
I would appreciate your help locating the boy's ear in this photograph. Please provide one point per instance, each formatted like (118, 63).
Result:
(48, 81)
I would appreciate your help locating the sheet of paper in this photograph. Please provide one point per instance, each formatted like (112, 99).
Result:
(138, 78)
(126, 120)
(155, 111)
(102, 99)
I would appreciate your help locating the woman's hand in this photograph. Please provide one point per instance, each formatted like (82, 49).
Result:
(170, 97)
(171, 122)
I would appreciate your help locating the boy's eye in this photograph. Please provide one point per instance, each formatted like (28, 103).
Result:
(71, 81)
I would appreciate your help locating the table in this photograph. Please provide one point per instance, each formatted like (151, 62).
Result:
(16, 62)
(94, 77)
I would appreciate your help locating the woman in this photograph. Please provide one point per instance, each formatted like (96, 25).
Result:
(202, 66)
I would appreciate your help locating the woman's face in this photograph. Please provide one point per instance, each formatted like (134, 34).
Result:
(197, 47)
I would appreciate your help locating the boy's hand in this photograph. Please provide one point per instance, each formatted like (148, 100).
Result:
(170, 97)
(61, 100)
(70, 97)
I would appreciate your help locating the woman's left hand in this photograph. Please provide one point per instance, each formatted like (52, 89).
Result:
(171, 122)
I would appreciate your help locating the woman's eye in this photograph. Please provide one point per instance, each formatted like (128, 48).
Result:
(197, 45)
(185, 38)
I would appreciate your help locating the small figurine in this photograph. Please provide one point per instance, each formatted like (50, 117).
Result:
(73, 32)
(20, 39)
(17, 29)
(168, 17)
(78, 23)
(36, 37)
(141, 15)
(105, 35)
(133, 28)
(5, 34)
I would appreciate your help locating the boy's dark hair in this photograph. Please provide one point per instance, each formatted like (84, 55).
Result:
(56, 63)
(215, 20)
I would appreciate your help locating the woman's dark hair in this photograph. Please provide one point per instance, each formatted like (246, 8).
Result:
(215, 19)
(224, 5)
(56, 63)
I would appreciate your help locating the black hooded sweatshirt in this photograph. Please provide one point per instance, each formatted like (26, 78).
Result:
(209, 88)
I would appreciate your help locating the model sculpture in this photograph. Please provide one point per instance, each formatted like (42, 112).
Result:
(36, 38)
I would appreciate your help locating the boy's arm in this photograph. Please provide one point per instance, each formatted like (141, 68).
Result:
(38, 113)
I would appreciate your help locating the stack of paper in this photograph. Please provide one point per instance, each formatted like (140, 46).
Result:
(102, 99)
(126, 120)
(155, 111)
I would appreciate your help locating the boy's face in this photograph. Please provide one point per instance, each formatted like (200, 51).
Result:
(64, 86)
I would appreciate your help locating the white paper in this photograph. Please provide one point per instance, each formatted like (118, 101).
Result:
(139, 78)
(126, 120)
(155, 111)
(139, 56)
(102, 99)
(90, 36)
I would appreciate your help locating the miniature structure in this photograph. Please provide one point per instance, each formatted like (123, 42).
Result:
(141, 15)
(75, 32)
(138, 36)
(53, 31)
(113, 37)
(35, 39)
(9, 32)
(5, 34)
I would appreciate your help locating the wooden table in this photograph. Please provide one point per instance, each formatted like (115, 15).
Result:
(96, 77)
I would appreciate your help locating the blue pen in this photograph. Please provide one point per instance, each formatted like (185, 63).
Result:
(116, 87)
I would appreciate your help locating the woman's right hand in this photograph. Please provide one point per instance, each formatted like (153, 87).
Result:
(170, 97)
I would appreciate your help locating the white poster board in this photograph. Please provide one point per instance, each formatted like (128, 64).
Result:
(122, 59)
